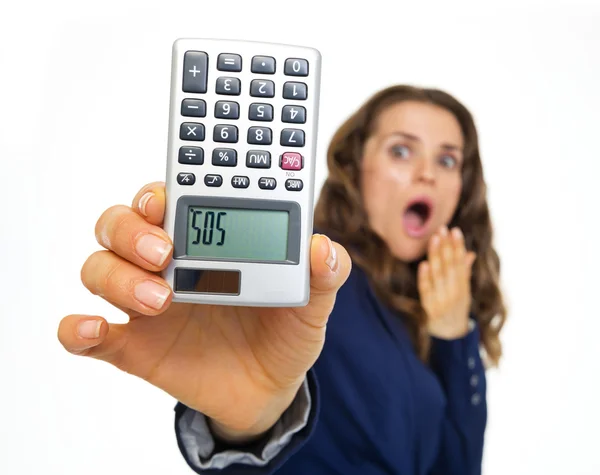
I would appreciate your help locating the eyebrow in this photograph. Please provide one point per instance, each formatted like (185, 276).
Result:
(445, 146)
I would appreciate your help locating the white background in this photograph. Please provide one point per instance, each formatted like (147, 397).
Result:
(84, 90)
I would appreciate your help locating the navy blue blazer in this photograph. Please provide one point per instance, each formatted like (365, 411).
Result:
(376, 408)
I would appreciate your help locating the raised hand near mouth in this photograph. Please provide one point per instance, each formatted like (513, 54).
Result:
(444, 284)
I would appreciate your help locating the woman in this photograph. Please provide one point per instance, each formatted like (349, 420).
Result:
(407, 293)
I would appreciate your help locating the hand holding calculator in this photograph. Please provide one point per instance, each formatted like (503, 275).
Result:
(237, 201)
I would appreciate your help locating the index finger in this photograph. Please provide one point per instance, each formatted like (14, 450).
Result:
(149, 202)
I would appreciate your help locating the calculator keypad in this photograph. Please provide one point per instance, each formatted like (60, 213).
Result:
(279, 125)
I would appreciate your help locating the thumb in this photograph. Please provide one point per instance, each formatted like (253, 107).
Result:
(330, 266)
(92, 336)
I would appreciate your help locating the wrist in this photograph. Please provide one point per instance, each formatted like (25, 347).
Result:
(246, 433)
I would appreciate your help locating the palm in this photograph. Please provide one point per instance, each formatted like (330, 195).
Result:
(219, 359)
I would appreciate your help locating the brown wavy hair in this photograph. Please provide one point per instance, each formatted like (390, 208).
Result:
(340, 213)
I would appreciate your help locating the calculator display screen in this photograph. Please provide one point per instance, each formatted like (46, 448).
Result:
(254, 234)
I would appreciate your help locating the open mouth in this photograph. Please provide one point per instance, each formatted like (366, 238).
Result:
(417, 216)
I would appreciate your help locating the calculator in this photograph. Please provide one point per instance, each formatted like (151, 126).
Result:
(240, 171)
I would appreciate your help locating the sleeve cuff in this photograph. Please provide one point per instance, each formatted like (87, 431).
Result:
(200, 450)
(459, 367)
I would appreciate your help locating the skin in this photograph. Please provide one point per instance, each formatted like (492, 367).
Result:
(417, 149)
(242, 367)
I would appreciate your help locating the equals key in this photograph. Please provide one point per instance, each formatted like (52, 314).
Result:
(191, 155)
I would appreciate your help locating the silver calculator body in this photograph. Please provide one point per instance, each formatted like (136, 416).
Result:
(240, 175)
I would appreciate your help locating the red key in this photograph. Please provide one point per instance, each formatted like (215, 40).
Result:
(291, 161)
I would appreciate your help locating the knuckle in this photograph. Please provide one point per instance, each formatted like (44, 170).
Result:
(90, 270)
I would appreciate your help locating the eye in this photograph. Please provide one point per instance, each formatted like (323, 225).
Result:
(449, 161)
(400, 151)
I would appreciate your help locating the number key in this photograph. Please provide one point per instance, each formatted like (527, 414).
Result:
(262, 112)
(260, 135)
(227, 110)
(225, 133)
(293, 114)
(292, 138)
(229, 86)
(295, 90)
(262, 88)
(296, 67)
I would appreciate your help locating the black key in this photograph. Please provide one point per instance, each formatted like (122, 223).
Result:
(260, 135)
(225, 133)
(293, 184)
(293, 114)
(263, 65)
(240, 181)
(191, 155)
(224, 157)
(195, 71)
(186, 178)
(229, 86)
(295, 67)
(227, 110)
(213, 180)
(258, 159)
(193, 108)
(191, 131)
(267, 183)
(262, 88)
(263, 112)
(295, 90)
(292, 138)
(229, 62)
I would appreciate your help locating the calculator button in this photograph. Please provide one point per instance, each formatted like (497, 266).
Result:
(191, 131)
(295, 67)
(292, 138)
(293, 184)
(229, 62)
(267, 183)
(258, 159)
(263, 65)
(213, 180)
(260, 88)
(193, 108)
(224, 157)
(186, 178)
(260, 135)
(229, 86)
(227, 110)
(240, 182)
(295, 90)
(262, 112)
(225, 133)
(195, 71)
(191, 155)
(293, 114)
(290, 161)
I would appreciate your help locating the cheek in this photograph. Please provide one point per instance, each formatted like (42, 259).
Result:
(450, 194)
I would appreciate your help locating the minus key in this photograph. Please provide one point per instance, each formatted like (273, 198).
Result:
(193, 108)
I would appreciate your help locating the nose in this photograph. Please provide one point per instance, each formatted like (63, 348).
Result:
(424, 171)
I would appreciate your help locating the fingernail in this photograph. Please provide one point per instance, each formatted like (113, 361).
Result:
(144, 202)
(444, 231)
(435, 240)
(153, 249)
(151, 294)
(331, 260)
(89, 328)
